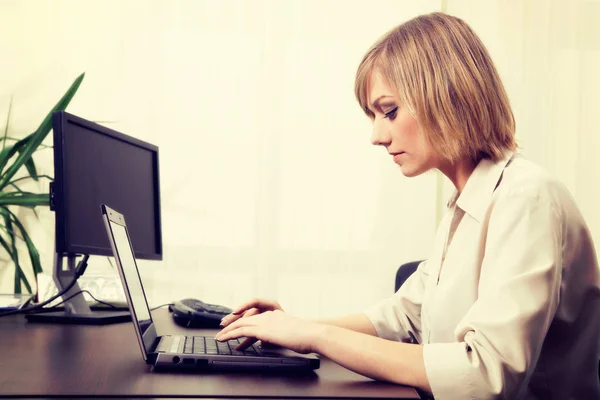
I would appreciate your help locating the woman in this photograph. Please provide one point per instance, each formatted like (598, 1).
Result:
(508, 303)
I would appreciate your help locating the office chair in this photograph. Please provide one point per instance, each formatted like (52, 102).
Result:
(404, 271)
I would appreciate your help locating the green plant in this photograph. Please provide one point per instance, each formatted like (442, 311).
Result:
(12, 158)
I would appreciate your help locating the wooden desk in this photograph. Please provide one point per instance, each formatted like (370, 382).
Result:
(53, 360)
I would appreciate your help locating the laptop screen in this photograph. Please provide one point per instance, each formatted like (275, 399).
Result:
(132, 278)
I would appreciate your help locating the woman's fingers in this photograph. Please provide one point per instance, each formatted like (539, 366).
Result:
(251, 312)
(268, 345)
(245, 327)
(261, 304)
(252, 307)
(242, 331)
(254, 303)
(226, 320)
(249, 341)
(246, 343)
(234, 323)
(230, 318)
(272, 327)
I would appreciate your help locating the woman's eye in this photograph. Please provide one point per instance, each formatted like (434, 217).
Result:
(391, 114)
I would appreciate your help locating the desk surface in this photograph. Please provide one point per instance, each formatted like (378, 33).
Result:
(53, 360)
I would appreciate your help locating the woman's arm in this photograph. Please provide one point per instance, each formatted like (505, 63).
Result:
(367, 355)
(372, 356)
(356, 322)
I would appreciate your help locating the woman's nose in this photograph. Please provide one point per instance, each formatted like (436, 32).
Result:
(380, 135)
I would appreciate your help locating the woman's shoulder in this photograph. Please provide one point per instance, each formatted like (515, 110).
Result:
(524, 177)
(533, 195)
(527, 189)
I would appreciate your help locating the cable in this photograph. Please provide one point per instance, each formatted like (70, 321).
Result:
(102, 302)
(99, 301)
(78, 272)
(82, 291)
(162, 305)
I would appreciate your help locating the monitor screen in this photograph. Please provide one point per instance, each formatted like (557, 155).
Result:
(95, 165)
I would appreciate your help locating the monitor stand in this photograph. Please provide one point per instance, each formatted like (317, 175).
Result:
(76, 310)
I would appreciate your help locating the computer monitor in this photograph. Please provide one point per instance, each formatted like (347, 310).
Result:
(95, 165)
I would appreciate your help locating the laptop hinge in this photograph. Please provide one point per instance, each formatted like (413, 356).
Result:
(155, 344)
(151, 358)
(153, 354)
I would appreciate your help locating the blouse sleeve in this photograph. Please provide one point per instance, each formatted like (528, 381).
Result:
(399, 317)
(499, 340)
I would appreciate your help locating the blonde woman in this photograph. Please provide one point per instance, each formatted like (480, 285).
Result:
(508, 303)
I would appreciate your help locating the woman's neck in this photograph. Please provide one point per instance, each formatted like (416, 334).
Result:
(459, 172)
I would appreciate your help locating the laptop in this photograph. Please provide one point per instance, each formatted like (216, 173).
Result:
(187, 352)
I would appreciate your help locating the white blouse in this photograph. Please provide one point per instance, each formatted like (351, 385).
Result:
(508, 303)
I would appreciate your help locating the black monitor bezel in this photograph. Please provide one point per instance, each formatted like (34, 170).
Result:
(60, 119)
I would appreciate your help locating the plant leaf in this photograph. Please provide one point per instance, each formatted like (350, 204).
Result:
(26, 199)
(18, 193)
(22, 193)
(29, 177)
(7, 122)
(15, 259)
(18, 271)
(16, 187)
(5, 245)
(9, 231)
(30, 165)
(14, 252)
(40, 134)
(34, 255)
(19, 274)
(8, 152)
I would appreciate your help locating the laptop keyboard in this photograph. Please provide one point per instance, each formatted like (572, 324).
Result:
(209, 345)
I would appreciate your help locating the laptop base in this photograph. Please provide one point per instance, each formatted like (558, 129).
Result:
(93, 318)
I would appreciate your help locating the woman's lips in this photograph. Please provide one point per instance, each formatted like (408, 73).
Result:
(397, 156)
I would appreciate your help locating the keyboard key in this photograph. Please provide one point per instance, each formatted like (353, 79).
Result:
(175, 344)
(199, 347)
(223, 348)
(188, 345)
(211, 346)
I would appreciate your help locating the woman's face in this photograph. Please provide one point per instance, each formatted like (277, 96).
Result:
(396, 130)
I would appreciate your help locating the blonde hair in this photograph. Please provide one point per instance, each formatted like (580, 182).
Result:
(446, 78)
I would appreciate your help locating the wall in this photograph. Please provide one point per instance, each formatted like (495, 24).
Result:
(270, 187)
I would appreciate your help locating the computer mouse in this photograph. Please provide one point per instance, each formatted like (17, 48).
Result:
(196, 313)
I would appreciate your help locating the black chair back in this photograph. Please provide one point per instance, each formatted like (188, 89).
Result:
(404, 272)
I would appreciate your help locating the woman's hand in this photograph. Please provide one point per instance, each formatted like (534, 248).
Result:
(275, 327)
(248, 309)
(252, 307)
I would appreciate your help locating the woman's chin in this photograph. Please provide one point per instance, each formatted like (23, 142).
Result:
(410, 171)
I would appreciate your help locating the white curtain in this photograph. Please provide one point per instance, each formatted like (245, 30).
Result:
(284, 198)
(269, 184)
